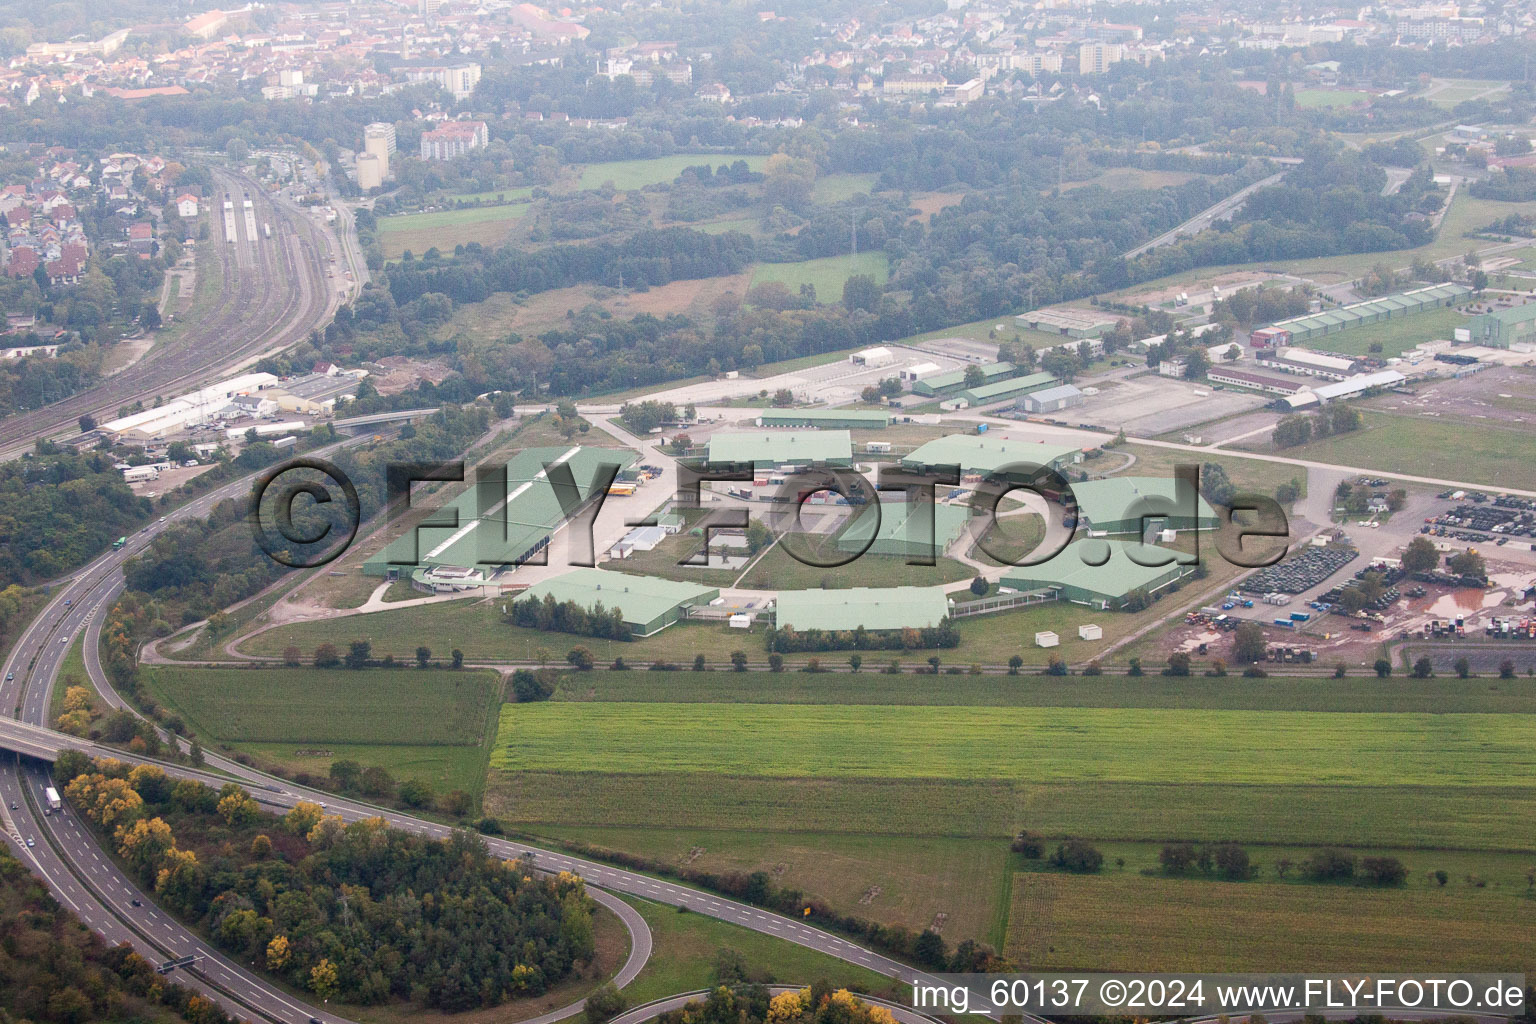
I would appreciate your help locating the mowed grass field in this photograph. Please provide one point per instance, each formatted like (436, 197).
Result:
(431, 725)
(444, 229)
(1395, 336)
(886, 878)
(1038, 744)
(628, 174)
(1127, 922)
(1309, 99)
(1448, 450)
(827, 274)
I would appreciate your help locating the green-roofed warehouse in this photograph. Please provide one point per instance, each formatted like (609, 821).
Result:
(1504, 328)
(1312, 326)
(986, 454)
(647, 603)
(941, 384)
(1005, 390)
(1115, 505)
(512, 526)
(825, 419)
(911, 529)
(877, 610)
(783, 448)
(1099, 586)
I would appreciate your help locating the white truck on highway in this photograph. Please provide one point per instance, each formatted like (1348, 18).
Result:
(52, 796)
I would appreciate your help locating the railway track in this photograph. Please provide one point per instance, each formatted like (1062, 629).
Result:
(271, 294)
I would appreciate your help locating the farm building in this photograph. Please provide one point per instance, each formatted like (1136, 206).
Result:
(782, 448)
(1311, 326)
(1258, 381)
(1072, 323)
(987, 456)
(1004, 390)
(1063, 396)
(910, 529)
(877, 610)
(941, 384)
(1103, 586)
(1505, 328)
(510, 530)
(1307, 363)
(824, 419)
(1115, 505)
(1346, 388)
(648, 604)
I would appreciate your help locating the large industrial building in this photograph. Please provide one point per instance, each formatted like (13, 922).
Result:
(1055, 399)
(1005, 390)
(509, 531)
(1070, 576)
(1505, 328)
(877, 610)
(940, 385)
(648, 604)
(1311, 326)
(782, 448)
(1116, 505)
(824, 419)
(987, 455)
(909, 529)
(1069, 322)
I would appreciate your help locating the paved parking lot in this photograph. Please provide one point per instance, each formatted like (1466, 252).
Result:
(831, 383)
(1150, 405)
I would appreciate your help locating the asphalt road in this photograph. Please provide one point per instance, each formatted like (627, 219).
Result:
(98, 897)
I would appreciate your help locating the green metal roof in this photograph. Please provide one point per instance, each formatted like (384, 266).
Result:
(955, 378)
(1512, 315)
(1116, 578)
(513, 522)
(984, 453)
(640, 599)
(782, 447)
(1114, 499)
(875, 609)
(906, 528)
(873, 418)
(1001, 389)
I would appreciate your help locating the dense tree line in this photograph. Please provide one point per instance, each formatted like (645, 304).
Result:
(569, 617)
(751, 1004)
(58, 511)
(54, 969)
(362, 913)
(649, 257)
(792, 641)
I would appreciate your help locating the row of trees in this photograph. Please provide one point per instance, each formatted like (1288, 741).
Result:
(362, 913)
(791, 641)
(569, 617)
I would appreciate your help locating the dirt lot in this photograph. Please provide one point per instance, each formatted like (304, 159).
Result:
(1199, 287)
(1506, 394)
(169, 480)
(1150, 405)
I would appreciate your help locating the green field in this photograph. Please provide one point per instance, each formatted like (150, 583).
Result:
(1361, 695)
(1309, 99)
(1392, 443)
(444, 229)
(686, 946)
(1396, 336)
(1123, 921)
(885, 878)
(837, 188)
(1037, 744)
(827, 274)
(430, 725)
(628, 174)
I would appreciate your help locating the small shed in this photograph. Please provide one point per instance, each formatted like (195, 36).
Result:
(1046, 638)
(741, 620)
(1089, 631)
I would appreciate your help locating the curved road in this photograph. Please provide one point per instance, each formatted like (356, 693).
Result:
(35, 662)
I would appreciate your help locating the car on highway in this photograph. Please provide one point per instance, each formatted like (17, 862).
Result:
(63, 639)
(162, 519)
(31, 843)
(9, 676)
(136, 902)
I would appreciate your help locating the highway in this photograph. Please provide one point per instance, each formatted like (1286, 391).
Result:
(68, 858)
(1205, 218)
(272, 293)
